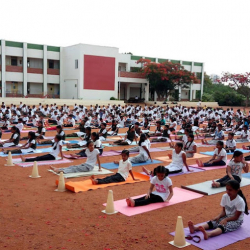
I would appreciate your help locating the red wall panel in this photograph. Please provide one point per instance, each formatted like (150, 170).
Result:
(99, 72)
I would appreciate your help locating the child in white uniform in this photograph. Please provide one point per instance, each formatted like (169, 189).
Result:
(124, 169)
(231, 217)
(163, 192)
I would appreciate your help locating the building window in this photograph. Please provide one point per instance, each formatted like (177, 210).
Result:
(51, 64)
(28, 63)
(13, 61)
(76, 64)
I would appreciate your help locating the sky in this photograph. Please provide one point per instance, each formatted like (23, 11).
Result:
(215, 32)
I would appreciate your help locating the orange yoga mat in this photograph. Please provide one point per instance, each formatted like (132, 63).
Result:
(81, 186)
(196, 156)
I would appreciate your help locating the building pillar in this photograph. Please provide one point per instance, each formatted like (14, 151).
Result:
(194, 94)
(155, 96)
(179, 93)
(25, 73)
(45, 70)
(61, 79)
(128, 91)
(146, 91)
(3, 58)
(190, 92)
(202, 81)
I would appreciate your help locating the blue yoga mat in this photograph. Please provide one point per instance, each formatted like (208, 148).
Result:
(71, 142)
(212, 152)
(112, 165)
(247, 175)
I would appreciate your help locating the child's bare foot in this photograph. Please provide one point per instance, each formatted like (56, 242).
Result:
(191, 227)
(146, 171)
(128, 202)
(203, 141)
(170, 156)
(94, 181)
(204, 233)
(198, 163)
(132, 202)
(23, 158)
(55, 169)
(116, 162)
(215, 184)
(244, 147)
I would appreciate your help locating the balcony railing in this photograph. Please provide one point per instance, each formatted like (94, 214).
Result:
(35, 71)
(53, 72)
(130, 74)
(10, 68)
(13, 94)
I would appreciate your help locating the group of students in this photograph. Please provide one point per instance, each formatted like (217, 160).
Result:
(233, 202)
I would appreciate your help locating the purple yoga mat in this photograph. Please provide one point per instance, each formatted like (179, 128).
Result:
(222, 240)
(210, 168)
(150, 150)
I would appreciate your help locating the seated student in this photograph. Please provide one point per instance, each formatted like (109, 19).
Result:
(173, 125)
(71, 122)
(244, 135)
(97, 145)
(165, 135)
(218, 136)
(53, 118)
(234, 170)
(14, 139)
(163, 193)
(144, 154)
(129, 137)
(6, 123)
(138, 130)
(145, 126)
(190, 146)
(86, 137)
(231, 216)
(124, 169)
(92, 157)
(238, 128)
(228, 125)
(178, 161)
(158, 129)
(183, 127)
(81, 127)
(230, 143)
(113, 130)
(55, 150)
(183, 138)
(28, 147)
(40, 133)
(219, 158)
(103, 132)
(59, 130)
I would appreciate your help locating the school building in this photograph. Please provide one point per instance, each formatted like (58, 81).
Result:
(80, 71)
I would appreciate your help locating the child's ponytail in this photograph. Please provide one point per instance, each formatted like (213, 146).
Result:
(236, 186)
(236, 154)
(240, 193)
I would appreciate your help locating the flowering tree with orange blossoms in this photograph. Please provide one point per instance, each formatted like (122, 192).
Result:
(164, 77)
(239, 82)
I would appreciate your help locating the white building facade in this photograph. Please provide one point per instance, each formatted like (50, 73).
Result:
(81, 71)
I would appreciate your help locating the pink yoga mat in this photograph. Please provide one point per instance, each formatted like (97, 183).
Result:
(39, 163)
(222, 240)
(210, 168)
(180, 195)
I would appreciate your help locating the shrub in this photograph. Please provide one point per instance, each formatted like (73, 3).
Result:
(112, 98)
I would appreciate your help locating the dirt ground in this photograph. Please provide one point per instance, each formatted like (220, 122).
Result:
(33, 216)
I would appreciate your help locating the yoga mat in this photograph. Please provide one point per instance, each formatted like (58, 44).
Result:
(165, 148)
(105, 153)
(211, 153)
(64, 142)
(82, 186)
(246, 175)
(112, 165)
(166, 158)
(84, 174)
(210, 168)
(206, 188)
(150, 150)
(222, 240)
(39, 163)
(178, 197)
(36, 152)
